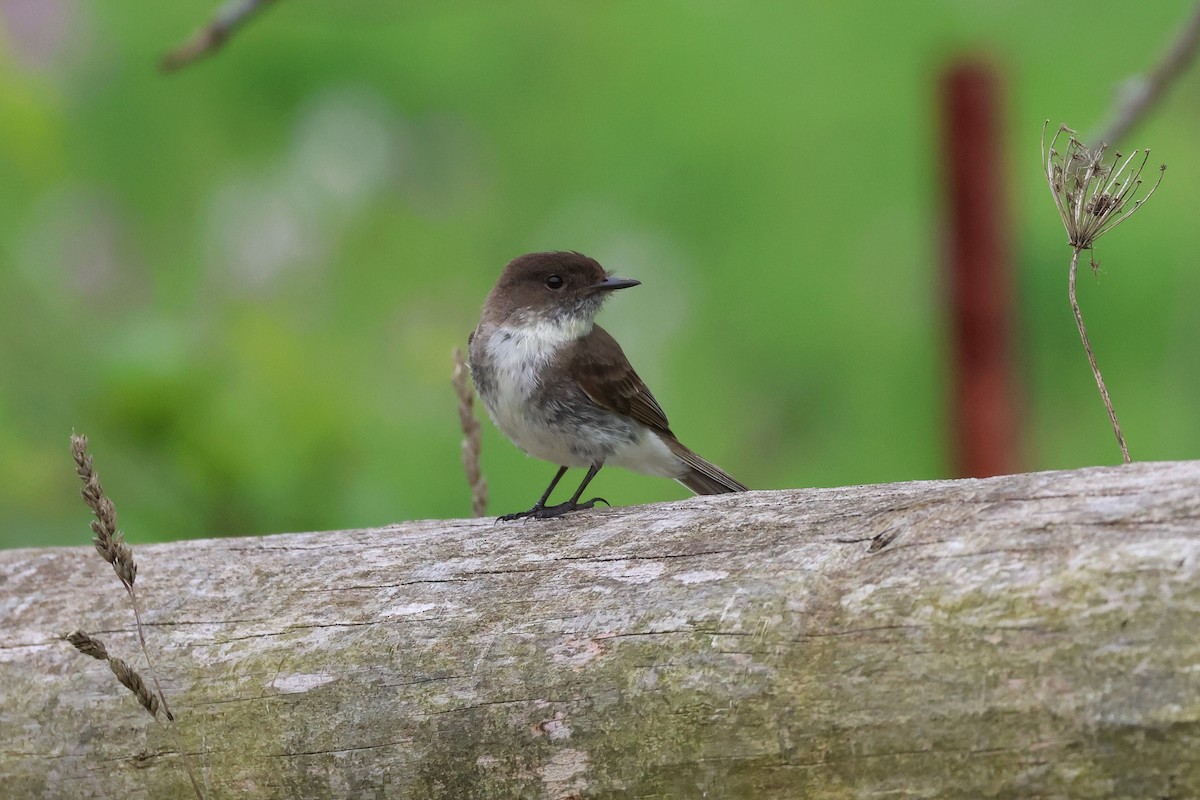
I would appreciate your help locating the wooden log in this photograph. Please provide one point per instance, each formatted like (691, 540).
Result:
(1023, 636)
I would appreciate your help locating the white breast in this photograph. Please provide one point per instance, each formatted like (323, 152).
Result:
(517, 356)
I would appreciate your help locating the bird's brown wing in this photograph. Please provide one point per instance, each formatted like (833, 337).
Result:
(609, 381)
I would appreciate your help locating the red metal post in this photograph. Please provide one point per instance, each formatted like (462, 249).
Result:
(979, 275)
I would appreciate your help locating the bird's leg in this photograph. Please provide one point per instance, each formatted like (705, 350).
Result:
(574, 503)
(540, 505)
(540, 511)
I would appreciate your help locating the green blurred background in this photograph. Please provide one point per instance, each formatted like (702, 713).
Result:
(244, 281)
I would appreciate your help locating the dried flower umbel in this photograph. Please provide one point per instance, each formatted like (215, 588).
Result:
(1093, 196)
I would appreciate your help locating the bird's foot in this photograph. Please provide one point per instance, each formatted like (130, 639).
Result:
(549, 512)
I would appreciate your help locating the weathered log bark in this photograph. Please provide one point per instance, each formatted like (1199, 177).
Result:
(1023, 636)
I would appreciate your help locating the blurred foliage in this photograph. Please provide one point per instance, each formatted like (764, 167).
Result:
(244, 281)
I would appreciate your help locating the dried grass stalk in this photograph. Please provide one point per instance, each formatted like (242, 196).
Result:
(111, 546)
(91, 646)
(472, 435)
(130, 679)
(109, 542)
(88, 645)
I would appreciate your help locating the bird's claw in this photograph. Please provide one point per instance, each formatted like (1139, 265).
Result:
(550, 512)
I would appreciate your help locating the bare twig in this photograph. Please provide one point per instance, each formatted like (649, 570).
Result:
(471, 444)
(212, 37)
(1139, 93)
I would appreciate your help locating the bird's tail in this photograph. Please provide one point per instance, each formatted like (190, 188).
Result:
(703, 477)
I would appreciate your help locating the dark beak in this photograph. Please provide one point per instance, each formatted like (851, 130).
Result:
(613, 282)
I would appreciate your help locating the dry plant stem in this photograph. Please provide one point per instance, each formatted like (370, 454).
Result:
(109, 542)
(212, 37)
(132, 681)
(137, 616)
(111, 546)
(87, 644)
(1139, 94)
(1087, 345)
(127, 675)
(472, 435)
(1092, 199)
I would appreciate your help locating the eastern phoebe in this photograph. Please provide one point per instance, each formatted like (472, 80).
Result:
(559, 386)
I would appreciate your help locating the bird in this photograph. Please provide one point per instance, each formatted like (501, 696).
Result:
(560, 387)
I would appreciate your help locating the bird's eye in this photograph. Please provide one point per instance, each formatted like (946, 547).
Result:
(554, 282)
